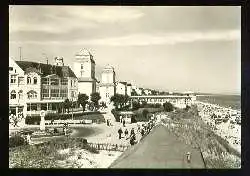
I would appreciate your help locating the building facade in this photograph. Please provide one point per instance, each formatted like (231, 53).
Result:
(107, 87)
(129, 89)
(121, 88)
(84, 69)
(35, 86)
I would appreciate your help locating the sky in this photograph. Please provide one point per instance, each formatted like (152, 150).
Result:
(177, 48)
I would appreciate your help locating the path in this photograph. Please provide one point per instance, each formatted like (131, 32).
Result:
(160, 149)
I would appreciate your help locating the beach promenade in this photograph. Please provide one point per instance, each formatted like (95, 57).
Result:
(160, 149)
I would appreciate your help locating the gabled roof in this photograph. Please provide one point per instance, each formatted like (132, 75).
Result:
(46, 69)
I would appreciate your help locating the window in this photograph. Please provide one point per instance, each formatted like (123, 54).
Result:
(45, 81)
(35, 80)
(32, 94)
(10, 68)
(54, 81)
(64, 93)
(64, 81)
(45, 93)
(72, 94)
(71, 83)
(13, 94)
(20, 94)
(43, 106)
(107, 95)
(13, 79)
(28, 80)
(21, 80)
(54, 93)
(31, 107)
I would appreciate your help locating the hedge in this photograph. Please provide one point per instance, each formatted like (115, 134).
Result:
(85, 115)
(16, 140)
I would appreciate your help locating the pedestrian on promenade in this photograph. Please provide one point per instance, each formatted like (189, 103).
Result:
(120, 118)
(126, 132)
(188, 157)
(132, 132)
(123, 123)
(142, 132)
(120, 133)
(132, 139)
(107, 122)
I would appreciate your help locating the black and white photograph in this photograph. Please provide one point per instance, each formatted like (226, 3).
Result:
(152, 87)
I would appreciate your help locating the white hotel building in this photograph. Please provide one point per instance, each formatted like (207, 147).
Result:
(36, 86)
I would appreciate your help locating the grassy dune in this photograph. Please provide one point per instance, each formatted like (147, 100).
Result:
(216, 151)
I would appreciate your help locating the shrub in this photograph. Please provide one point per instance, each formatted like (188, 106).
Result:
(168, 107)
(16, 141)
(136, 105)
(145, 113)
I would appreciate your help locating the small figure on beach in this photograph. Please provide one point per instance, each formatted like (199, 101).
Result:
(188, 157)
(108, 123)
(120, 133)
(121, 119)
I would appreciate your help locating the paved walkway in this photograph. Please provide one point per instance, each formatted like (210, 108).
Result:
(160, 149)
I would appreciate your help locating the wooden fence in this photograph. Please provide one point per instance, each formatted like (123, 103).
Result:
(108, 146)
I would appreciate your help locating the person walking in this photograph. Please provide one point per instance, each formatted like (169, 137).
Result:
(132, 132)
(188, 157)
(120, 133)
(120, 118)
(123, 122)
(142, 132)
(132, 140)
(126, 132)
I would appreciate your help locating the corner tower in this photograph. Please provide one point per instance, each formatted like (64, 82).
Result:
(84, 69)
(107, 85)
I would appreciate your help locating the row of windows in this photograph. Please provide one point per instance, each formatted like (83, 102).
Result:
(45, 93)
(54, 93)
(54, 81)
(13, 80)
(45, 81)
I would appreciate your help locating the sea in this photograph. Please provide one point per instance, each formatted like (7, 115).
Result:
(228, 101)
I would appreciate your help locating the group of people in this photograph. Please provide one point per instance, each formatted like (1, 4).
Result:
(143, 129)
(131, 136)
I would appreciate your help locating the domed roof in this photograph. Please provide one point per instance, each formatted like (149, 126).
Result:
(109, 67)
(84, 52)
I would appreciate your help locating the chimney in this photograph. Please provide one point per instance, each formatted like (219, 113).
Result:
(47, 61)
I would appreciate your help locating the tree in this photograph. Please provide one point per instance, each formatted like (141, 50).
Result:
(154, 92)
(133, 93)
(135, 105)
(95, 97)
(67, 104)
(145, 113)
(119, 100)
(15, 119)
(83, 100)
(143, 104)
(168, 106)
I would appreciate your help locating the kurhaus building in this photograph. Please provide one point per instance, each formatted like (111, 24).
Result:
(36, 86)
